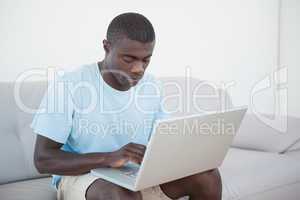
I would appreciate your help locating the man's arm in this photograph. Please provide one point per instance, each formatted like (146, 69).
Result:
(49, 158)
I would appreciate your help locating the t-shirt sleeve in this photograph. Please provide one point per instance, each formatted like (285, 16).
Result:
(54, 116)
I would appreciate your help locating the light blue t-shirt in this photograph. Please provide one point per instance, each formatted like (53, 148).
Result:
(81, 111)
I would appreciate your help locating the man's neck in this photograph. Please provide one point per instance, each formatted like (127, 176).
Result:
(109, 78)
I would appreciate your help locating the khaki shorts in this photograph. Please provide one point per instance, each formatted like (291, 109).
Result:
(75, 187)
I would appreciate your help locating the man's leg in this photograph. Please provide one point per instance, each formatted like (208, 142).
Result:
(202, 186)
(104, 190)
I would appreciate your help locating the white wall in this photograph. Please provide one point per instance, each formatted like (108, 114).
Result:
(220, 40)
(290, 51)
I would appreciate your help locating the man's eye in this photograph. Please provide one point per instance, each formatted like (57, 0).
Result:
(128, 59)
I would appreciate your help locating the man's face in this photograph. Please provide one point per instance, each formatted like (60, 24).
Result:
(128, 60)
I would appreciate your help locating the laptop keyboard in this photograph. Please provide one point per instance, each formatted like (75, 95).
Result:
(129, 171)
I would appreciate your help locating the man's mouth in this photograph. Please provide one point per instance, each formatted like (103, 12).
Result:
(135, 79)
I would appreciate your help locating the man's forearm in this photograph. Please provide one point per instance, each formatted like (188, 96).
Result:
(66, 163)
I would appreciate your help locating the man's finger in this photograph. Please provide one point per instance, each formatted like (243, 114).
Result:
(140, 146)
(135, 158)
(136, 151)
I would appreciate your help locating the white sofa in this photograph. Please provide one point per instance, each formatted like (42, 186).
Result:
(247, 174)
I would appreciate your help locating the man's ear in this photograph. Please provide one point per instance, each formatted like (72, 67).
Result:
(106, 46)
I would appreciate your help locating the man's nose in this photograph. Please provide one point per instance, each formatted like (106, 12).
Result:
(137, 68)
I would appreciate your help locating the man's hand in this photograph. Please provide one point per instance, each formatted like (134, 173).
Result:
(50, 159)
(131, 152)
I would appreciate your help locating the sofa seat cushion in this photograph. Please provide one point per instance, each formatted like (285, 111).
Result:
(28, 190)
(246, 173)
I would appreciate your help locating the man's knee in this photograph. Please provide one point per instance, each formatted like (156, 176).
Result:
(103, 190)
(212, 176)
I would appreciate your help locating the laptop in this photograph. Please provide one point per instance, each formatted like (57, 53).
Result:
(179, 147)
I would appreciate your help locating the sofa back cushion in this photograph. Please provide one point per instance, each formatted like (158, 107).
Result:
(186, 96)
(181, 96)
(17, 139)
(256, 134)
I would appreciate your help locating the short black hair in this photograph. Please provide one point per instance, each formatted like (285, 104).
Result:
(134, 26)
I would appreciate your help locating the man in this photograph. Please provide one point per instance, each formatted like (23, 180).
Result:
(80, 122)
